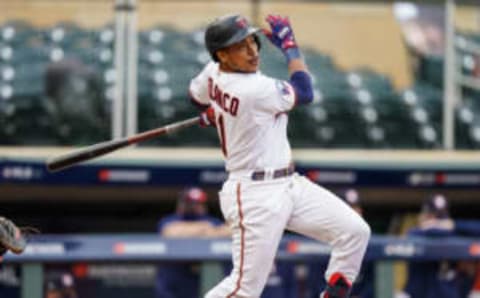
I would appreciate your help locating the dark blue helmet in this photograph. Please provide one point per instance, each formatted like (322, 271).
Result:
(226, 31)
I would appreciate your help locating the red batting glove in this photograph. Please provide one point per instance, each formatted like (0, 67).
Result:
(207, 117)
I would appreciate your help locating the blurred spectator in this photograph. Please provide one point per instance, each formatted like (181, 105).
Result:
(10, 279)
(469, 271)
(435, 217)
(60, 285)
(191, 219)
(281, 282)
(75, 103)
(363, 285)
(352, 198)
(433, 279)
(422, 26)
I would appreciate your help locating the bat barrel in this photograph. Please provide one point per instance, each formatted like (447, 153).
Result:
(67, 160)
(64, 161)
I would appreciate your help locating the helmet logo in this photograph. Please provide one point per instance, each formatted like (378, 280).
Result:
(242, 23)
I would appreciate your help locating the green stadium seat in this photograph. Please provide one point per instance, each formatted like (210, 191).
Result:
(430, 70)
(158, 36)
(105, 36)
(69, 35)
(317, 61)
(23, 54)
(19, 32)
(365, 78)
(429, 137)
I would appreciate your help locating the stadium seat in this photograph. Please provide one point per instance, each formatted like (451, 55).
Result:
(318, 61)
(427, 98)
(466, 124)
(105, 36)
(429, 136)
(69, 35)
(19, 32)
(23, 54)
(430, 70)
(366, 78)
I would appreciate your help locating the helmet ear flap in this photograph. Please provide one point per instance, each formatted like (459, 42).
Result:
(257, 41)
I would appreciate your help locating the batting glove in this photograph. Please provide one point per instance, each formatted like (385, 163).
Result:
(281, 35)
(207, 117)
(11, 237)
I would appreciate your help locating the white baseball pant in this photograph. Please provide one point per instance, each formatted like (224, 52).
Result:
(259, 211)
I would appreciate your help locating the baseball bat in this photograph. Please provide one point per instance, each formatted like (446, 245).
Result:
(67, 160)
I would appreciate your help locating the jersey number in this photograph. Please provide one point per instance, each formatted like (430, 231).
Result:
(223, 141)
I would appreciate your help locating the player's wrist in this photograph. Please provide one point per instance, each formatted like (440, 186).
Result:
(292, 53)
(207, 117)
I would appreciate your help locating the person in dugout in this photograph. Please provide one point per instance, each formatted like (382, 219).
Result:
(60, 285)
(191, 219)
(440, 279)
(363, 285)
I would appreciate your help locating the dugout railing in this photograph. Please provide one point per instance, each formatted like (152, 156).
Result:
(382, 250)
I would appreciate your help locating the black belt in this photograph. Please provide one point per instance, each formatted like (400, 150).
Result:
(261, 175)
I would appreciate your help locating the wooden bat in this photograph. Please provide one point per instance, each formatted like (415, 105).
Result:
(67, 160)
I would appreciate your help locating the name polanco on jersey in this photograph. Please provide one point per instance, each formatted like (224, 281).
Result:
(228, 103)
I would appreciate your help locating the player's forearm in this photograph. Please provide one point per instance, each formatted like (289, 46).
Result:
(295, 65)
(281, 35)
(301, 81)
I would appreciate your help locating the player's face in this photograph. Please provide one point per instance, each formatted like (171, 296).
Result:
(240, 57)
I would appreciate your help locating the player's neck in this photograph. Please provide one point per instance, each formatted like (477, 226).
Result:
(228, 69)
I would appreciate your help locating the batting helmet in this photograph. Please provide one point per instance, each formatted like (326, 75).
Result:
(226, 31)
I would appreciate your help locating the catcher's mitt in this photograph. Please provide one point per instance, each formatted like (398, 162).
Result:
(11, 237)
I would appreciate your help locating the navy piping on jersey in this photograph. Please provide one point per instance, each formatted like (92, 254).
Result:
(302, 84)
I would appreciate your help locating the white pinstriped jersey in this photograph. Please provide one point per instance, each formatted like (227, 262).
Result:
(250, 111)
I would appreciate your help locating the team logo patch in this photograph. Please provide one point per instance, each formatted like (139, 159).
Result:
(242, 23)
(283, 88)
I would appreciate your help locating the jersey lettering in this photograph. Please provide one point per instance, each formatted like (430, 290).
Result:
(223, 99)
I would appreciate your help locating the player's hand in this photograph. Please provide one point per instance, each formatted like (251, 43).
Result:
(281, 33)
(207, 117)
(12, 237)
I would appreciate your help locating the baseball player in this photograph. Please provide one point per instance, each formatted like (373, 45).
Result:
(431, 279)
(263, 195)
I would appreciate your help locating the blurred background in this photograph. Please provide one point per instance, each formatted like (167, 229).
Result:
(395, 119)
